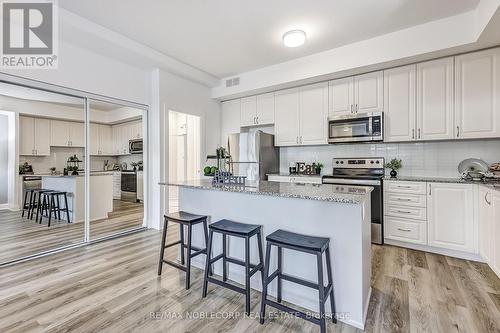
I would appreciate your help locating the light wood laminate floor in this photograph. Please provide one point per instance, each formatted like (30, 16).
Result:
(21, 237)
(113, 287)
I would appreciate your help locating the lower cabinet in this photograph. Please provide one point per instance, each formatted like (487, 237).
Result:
(450, 216)
(438, 217)
(489, 227)
(117, 185)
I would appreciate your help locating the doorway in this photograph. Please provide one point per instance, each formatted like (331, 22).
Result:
(184, 152)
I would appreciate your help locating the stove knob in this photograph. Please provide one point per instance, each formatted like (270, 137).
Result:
(378, 162)
(342, 162)
(371, 162)
(337, 162)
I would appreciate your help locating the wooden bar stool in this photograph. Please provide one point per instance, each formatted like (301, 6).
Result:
(302, 243)
(189, 220)
(241, 230)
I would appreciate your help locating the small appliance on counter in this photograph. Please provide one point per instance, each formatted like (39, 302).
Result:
(474, 169)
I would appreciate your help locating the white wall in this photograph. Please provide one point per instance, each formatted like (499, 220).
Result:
(4, 159)
(177, 94)
(431, 159)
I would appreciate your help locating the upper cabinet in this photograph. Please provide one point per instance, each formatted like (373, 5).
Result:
(101, 140)
(477, 94)
(358, 94)
(301, 115)
(67, 134)
(435, 100)
(34, 136)
(257, 110)
(230, 119)
(399, 104)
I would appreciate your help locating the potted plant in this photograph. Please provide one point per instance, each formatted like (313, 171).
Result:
(317, 167)
(73, 169)
(134, 165)
(395, 164)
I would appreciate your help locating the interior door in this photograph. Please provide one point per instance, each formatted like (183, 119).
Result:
(369, 92)
(287, 117)
(313, 114)
(435, 100)
(399, 104)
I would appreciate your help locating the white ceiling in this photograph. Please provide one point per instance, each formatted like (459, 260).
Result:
(226, 37)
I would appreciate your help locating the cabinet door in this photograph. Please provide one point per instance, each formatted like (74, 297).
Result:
(105, 140)
(59, 133)
(399, 104)
(485, 225)
(117, 144)
(341, 93)
(435, 100)
(265, 109)
(94, 139)
(42, 137)
(313, 114)
(369, 92)
(126, 135)
(286, 122)
(248, 111)
(77, 134)
(495, 221)
(138, 130)
(26, 135)
(230, 119)
(477, 94)
(450, 216)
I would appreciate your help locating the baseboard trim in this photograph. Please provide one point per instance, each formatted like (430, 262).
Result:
(431, 249)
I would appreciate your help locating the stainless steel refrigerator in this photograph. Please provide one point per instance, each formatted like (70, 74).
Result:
(253, 155)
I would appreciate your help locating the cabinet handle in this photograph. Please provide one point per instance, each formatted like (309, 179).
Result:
(257, 120)
(357, 108)
(419, 133)
(301, 139)
(458, 131)
(430, 189)
(403, 211)
(486, 199)
(352, 109)
(413, 133)
(405, 230)
(401, 199)
(401, 186)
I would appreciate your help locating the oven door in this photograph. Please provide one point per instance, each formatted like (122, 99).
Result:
(350, 129)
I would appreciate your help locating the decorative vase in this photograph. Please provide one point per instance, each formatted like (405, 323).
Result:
(393, 173)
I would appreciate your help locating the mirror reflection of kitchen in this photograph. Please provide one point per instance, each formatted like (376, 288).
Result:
(116, 169)
(41, 147)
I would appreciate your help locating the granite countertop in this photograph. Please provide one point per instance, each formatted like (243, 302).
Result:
(81, 174)
(493, 184)
(320, 192)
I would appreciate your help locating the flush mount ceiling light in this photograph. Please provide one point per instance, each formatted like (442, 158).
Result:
(294, 38)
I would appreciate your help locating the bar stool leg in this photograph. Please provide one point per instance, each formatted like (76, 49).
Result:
(330, 280)
(38, 203)
(58, 208)
(224, 256)
(181, 235)
(24, 203)
(264, 287)
(207, 264)
(51, 209)
(247, 275)
(280, 261)
(162, 250)
(31, 206)
(205, 232)
(322, 322)
(261, 256)
(66, 206)
(188, 264)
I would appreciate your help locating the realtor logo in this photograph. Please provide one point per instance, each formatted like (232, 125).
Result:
(29, 38)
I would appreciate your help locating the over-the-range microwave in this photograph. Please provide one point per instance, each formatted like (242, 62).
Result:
(135, 146)
(359, 127)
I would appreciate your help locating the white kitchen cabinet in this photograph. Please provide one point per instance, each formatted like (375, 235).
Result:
(405, 230)
(450, 216)
(399, 104)
(341, 93)
(121, 135)
(257, 110)
(313, 114)
(34, 134)
(286, 127)
(358, 94)
(67, 134)
(435, 100)
(485, 222)
(495, 224)
(369, 92)
(101, 139)
(477, 94)
(135, 130)
(117, 183)
(230, 119)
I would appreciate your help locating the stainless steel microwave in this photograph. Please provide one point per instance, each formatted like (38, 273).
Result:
(360, 127)
(135, 146)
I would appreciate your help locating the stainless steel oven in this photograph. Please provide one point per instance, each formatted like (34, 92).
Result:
(129, 186)
(135, 146)
(360, 127)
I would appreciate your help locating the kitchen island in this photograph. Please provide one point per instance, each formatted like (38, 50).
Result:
(101, 194)
(341, 213)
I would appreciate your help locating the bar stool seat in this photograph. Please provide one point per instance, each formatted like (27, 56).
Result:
(306, 242)
(241, 230)
(302, 243)
(184, 219)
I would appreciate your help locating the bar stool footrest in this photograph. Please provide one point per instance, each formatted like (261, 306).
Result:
(297, 313)
(227, 285)
(174, 264)
(299, 281)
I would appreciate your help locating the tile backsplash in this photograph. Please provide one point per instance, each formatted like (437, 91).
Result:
(430, 159)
